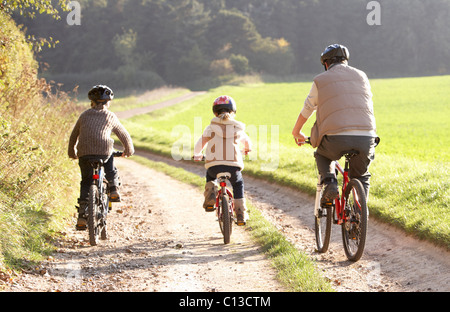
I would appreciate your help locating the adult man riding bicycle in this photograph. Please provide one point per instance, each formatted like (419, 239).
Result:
(342, 99)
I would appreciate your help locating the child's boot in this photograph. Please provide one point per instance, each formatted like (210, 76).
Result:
(241, 211)
(82, 217)
(210, 196)
(114, 195)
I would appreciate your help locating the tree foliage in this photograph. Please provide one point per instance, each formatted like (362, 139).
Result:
(180, 41)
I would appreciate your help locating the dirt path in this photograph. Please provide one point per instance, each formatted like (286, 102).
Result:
(392, 261)
(151, 108)
(161, 240)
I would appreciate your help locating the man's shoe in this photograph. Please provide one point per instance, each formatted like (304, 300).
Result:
(330, 193)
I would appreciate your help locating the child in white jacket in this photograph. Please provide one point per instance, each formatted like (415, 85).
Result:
(223, 137)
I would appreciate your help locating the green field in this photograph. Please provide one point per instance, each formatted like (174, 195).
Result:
(410, 174)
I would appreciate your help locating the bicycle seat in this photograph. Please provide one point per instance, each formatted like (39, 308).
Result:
(224, 175)
(96, 162)
(350, 153)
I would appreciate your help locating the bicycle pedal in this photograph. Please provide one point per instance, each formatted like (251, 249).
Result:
(210, 209)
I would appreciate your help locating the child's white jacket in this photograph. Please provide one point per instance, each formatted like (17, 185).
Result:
(223, 147)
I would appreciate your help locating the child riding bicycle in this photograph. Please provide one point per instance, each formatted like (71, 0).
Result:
(90, 139)
(223, 154)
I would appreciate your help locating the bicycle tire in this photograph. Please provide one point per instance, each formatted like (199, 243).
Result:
(354, 230)
(322, 229)
(225, 219)
(93, 207)
(104, 229)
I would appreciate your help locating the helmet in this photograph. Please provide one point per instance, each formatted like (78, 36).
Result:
(100, 93)
(224, 102)
(335, 53)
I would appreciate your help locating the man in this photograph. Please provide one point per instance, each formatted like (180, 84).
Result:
(342, 99)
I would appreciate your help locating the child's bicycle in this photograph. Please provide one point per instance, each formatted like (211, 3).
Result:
(349, 210)
(224, 206)
(98, 202)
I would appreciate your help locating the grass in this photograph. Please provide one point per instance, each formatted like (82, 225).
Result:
(295, 270)
(36, 175)
(410, 174)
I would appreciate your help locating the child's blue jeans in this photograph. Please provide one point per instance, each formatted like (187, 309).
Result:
(236, 180)
(86, 174)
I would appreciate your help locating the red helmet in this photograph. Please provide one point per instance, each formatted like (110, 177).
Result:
(224, 102)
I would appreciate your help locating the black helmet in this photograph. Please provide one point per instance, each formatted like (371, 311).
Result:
(335, 53)
(101, 93)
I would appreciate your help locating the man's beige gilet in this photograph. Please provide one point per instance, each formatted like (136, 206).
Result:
(344, 102)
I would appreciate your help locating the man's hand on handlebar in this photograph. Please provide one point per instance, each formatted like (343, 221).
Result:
(301, 139)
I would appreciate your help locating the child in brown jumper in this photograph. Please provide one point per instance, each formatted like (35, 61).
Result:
(91, 139)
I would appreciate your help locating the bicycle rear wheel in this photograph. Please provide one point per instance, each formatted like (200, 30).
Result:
(354, 229)
(93, 212)
(225, 220)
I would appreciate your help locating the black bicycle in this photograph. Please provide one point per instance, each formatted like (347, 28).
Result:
(98, 201)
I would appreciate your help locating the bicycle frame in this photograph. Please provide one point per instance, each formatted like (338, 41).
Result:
(340, 202)
(222, 191)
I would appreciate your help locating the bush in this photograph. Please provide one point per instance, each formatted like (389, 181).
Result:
(239, 64)
(35, 173)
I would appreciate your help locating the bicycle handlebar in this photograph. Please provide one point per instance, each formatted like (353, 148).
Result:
(308, 141)
(117, 154)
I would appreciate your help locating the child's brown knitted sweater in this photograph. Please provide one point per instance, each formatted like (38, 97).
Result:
(92, 134)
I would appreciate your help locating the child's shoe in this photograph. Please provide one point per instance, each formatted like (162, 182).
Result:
(82, 220)
(241, 211)
(210, 196)
(114, 195)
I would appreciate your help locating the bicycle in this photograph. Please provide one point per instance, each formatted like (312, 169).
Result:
(349, 210)
(98, 201)
(224, 205)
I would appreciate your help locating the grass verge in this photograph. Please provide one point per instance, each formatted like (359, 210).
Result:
(295, 269)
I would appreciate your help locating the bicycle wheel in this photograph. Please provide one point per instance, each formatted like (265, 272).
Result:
(225, 220)
(354, 229)
(105, 209)
(323, 223)
(93, 212)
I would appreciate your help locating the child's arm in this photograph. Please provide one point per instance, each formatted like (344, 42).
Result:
(199, 146)
(73, 140)
(247, 143)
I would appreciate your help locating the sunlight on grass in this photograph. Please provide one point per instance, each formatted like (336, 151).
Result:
(410, 174)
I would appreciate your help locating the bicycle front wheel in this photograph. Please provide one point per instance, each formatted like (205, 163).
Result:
(354, 229)
(323, 223)
(225, 220)
(106, 206)
(93, 212)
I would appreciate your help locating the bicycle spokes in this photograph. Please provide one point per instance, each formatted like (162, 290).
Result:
(354, 228)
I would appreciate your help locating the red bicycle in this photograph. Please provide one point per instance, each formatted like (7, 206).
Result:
(349, 210)
(224, 205)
